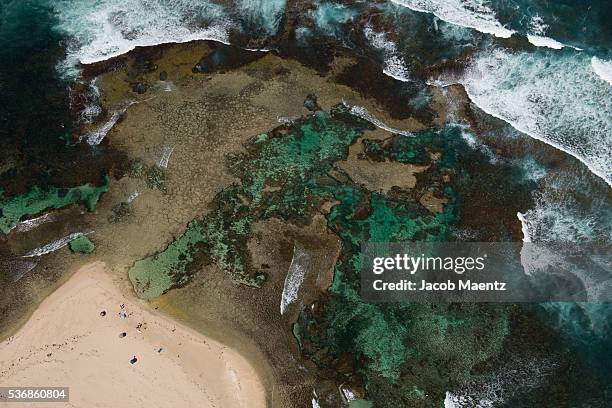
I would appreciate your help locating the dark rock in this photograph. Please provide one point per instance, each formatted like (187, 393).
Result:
(139, 87)
(163, 76)
(120, 211)
(397, 97)
(342, 112)
(156, 178)
(311, 104)
(225, 58)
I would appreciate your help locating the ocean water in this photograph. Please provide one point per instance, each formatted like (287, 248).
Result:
(558, 92)
(98, 30)
(560, 96)
(553, 96)
(260, 15)
(33, 98)
(547, 24)
(543, 67)
(329, 17)
(475, 14)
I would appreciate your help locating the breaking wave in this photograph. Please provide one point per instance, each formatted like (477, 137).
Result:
(603, 69)
(394, 65)
(262, 13)
(551, 96)
(54, 246)
(524, 372)
(363, 113)
(476, 14)
(481, 16)
(295, 277)
(103, 29)
(561, 211)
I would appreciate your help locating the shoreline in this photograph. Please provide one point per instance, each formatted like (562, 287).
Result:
(189, 367)
(204, 119)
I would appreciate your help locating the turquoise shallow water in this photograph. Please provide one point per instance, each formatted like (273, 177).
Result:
(552, 81)
(561, 96)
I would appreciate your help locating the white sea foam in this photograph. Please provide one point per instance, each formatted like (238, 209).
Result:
(16, 268)
(540, 41)
(537, 31)
(30, 224)
(91, 100)
(558, 261)
(476, 144)
(449, 400)
(55, 245)
(287, 120)
(295, 277)
(162, 162)
(394, 65)
(560, 214)
(602, 68)
(537, 26)
(476, 14)
(532, 170)
(94, 137)
(89, 113)
(263, 13)
(132, 197)
(523, 373)
(363, 113)
(102, 29)
(315, 399)
(480, 16)
(349, 395)
(455, 33)
(379, 39)
(524, 229)
(555, 98)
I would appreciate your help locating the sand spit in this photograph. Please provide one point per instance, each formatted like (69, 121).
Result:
(84, 335)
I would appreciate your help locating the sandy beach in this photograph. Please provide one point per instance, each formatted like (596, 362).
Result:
(86, 333)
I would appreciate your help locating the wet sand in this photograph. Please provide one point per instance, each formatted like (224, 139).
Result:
(204, 119)
(67, 342)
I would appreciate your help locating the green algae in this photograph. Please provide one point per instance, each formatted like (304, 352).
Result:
(153, 176)
(137, 168)
(360, 403)
(156, 178)
(297, 333)
(445, 342)
(288, 162)
(285, 174)
(377, 332)
(155, 275)
(293, 161)
(36, 200)
(82, 245)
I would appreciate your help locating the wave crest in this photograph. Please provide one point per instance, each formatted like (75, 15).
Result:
(104, 29)
(553, 97)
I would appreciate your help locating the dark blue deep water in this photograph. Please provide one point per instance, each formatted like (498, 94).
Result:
(562, 96)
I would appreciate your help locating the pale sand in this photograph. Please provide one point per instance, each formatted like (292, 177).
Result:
(67, 343)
